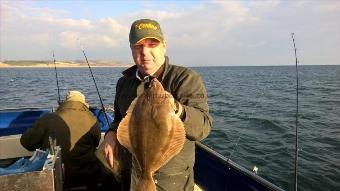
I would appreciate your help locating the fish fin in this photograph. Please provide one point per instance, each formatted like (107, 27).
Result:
(132, 105)
(176, 142)
(123, 134)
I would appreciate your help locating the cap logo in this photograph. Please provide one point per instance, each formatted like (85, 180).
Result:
(146, 26)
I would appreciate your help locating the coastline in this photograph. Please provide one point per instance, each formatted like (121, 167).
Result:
(65, 65)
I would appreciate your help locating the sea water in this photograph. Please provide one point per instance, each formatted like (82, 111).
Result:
(254, 112)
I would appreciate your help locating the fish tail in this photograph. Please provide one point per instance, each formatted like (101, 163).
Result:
(145, 184)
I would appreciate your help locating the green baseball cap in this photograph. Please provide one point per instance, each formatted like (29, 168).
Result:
(143, 29)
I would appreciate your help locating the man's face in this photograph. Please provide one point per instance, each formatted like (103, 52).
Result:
(149, 55)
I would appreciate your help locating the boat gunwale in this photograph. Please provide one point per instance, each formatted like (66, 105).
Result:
(231, 164)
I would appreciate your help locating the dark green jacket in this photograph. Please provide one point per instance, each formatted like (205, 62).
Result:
(77, 132)
(188, 88)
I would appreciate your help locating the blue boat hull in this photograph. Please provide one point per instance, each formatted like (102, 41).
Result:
(213, 172)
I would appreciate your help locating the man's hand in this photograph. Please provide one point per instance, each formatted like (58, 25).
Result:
(110, 147)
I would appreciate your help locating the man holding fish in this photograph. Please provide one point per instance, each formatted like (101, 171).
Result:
(160, 110)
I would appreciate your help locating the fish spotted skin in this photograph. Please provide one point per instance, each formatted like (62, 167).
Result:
(152, 132)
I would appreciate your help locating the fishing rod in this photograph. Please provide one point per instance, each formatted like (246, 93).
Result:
(56, 76)
(94, 80)
(296, 116)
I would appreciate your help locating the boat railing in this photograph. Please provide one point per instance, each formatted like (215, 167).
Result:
(226, 170)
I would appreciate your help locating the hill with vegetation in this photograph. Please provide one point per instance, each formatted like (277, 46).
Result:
(74, 63)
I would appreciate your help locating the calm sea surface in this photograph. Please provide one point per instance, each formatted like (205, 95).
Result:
(253, 110)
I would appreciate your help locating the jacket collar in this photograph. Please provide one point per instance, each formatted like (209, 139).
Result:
(132, 71)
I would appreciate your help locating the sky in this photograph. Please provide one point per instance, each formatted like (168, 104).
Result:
(198, 33)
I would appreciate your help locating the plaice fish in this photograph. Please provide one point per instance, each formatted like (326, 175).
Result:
(152, 132)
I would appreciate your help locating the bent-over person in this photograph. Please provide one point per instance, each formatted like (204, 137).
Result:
(77, 131)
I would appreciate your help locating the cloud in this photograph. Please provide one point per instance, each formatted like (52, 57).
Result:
(113, 26)
(104, 33)
(198, 25)
(69, 40)
(204, 33)
(46, 28)
(256, 33)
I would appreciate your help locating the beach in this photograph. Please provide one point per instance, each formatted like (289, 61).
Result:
(66, 64)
